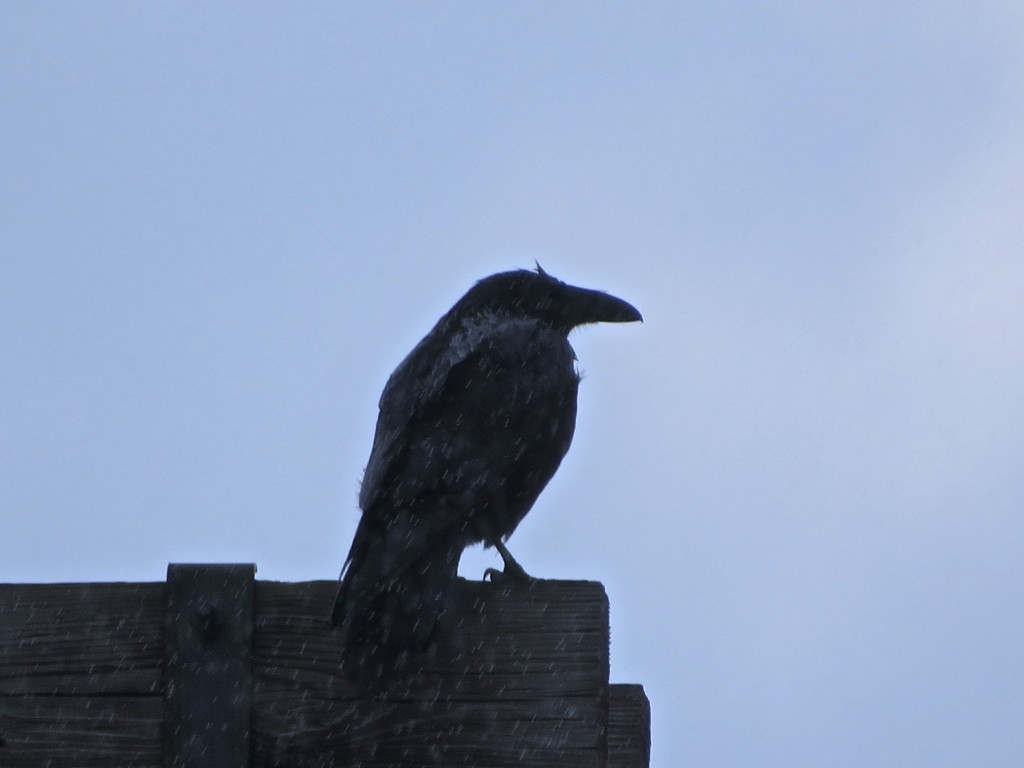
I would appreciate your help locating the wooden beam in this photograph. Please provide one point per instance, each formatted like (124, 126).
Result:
(80, 674)
(629, 727)
(64, 639)
(208, 688)
(519, 676)
(81, 731)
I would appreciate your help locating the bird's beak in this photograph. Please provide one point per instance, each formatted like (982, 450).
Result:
(589, 306)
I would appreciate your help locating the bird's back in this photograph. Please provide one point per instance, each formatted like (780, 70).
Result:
(477, 440)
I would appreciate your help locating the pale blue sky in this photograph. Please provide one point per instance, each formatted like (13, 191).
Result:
(801, 480)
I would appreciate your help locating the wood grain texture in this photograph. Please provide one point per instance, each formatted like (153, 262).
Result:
(80, 731)
(77, 639)
(629, 727)
(81, 674)
(518, 677)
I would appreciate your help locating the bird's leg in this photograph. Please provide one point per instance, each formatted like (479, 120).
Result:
(513, 571)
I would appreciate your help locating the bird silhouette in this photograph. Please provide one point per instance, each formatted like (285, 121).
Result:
(473, 424)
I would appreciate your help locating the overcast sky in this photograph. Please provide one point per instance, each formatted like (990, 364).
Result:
(801, 479)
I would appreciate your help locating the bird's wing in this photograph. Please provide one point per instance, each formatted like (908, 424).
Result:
(455, 417)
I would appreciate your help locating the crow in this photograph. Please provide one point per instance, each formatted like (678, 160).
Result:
(472, 426)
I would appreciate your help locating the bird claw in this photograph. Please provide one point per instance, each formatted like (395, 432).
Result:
(513, 574)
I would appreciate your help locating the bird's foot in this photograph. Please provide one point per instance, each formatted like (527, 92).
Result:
(513, 572)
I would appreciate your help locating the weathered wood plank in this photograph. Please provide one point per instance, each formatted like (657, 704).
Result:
(519, 677)
(81, 638)
(629, 727)
(208, 690)
(80, 731)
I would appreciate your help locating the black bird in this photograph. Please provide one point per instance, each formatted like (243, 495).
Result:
(472, 426)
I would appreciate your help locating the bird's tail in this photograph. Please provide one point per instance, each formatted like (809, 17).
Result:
(393, 591)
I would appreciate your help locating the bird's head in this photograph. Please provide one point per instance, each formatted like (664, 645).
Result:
(538, 295)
